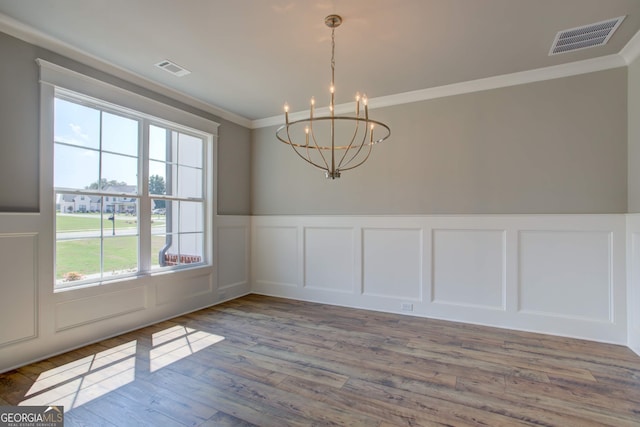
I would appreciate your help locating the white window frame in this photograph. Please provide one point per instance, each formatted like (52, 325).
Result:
(56, 78)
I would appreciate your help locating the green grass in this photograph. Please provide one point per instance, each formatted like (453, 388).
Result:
(78, 256)
(87, 222)
(82, 256)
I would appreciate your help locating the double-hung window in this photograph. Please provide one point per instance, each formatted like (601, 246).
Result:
(132, 191)
(96, 170)
(176, 173)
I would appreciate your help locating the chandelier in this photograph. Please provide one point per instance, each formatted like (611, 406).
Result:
(316, 139)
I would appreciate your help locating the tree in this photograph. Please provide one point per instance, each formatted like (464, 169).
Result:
(103, 183)
(157, 186)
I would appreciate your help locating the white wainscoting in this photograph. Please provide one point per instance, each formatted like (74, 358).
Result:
(278, 263)
(18, 255)
(332, 270)
(563, 265)
(80, 311)
(633, 282)
(402, 277)
(36, 322)
(556, 274)
(469, 268)
(232, 254)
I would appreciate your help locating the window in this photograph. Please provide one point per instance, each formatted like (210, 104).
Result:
(175, 185)
(131, 192)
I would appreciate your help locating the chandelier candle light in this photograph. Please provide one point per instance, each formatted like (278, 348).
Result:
(328, 156)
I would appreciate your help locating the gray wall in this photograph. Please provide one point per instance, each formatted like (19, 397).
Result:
(634, 136)
(19, 145)
(19, 105)
(234, 169)
(556, 146)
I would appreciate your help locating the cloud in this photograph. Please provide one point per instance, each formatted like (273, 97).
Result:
(77, 130)
(75, 137)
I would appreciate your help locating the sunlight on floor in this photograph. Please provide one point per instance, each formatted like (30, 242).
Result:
(176, 343)
(80, 381)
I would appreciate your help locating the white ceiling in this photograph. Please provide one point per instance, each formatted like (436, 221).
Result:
(250, 56)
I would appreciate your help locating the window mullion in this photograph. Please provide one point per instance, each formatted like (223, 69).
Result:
(144, 208)
(101, 210)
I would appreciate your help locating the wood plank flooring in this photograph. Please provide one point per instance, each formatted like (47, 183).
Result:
(274, 362)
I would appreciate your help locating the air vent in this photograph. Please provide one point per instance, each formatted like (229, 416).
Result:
(173, 68)
(586, 36)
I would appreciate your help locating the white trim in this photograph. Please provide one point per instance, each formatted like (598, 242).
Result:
(538, 293)
(495, 82)
(31, 35)
(55, 79)
(59, 76)
(631, 51)
(633, 282)
(627, 55)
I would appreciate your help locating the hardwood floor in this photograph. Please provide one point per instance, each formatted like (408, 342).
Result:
(275, 362)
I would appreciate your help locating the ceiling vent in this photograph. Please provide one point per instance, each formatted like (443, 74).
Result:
(586, 36)
(173, 68)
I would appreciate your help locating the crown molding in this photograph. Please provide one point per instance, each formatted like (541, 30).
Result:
(124, 100)
(631, 51)
(30, 35)
(627, 55)
(505, 80)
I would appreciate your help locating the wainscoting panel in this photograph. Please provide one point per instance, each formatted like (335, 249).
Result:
(18, 304)
(329, 259)
(392, 263)
(557, 274)
(38, 322)
(233, 256)
(278, 262)
(558, 266)
(469, 268)
(171, 291)
(77, 312)
(633, 282)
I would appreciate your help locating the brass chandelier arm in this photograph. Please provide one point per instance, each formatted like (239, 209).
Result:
(337, 147)
(361, 162)
(317, 147)
(353, 138)
(362, 144)
(364, 137)
(306, 159)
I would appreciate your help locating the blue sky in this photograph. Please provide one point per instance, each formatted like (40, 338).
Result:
(75, 166)
(85, 130)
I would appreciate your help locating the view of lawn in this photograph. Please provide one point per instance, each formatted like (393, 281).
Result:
(86, 222)
(82, 255)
